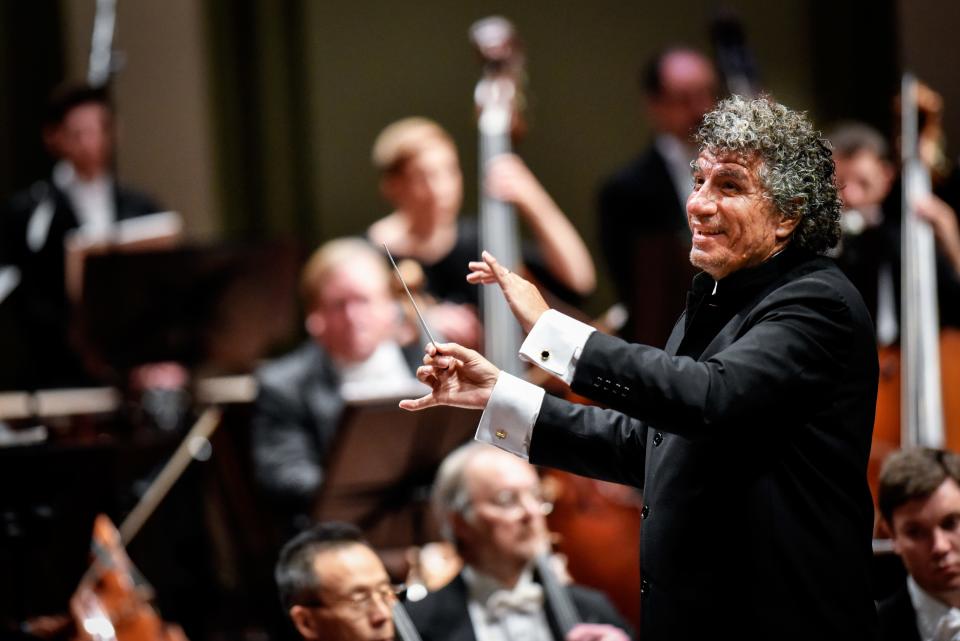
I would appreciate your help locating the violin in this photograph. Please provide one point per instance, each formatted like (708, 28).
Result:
(113, 602)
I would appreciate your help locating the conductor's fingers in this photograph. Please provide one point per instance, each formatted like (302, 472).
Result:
(439, 362)
(480, 273)
(481, 278)
(479, 266)
(416, 404)
(499, 271)
(457, 351)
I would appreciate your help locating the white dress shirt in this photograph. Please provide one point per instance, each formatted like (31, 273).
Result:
(92, 201)
(936, 621)
(384, 374)
(554, 344)
(499, 614)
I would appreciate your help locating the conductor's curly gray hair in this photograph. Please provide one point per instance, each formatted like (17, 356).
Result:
(796, 170)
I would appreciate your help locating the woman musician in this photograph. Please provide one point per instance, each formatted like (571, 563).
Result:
(421, 179)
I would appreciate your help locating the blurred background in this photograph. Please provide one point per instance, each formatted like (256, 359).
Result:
(255, 118)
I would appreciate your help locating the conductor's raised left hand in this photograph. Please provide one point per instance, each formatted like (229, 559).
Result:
(524, 298)
(457, 375)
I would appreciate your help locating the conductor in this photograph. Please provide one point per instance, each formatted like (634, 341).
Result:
(749, 433)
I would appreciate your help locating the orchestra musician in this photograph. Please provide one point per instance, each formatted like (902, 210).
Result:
(354, 349)
(491, 507)
(750, 432)
(80, 197)
(641, 220)
(870, 249)
(919, 499)
(334, 586)
(421, 179)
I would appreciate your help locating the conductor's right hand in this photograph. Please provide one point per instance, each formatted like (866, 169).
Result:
(458, 376)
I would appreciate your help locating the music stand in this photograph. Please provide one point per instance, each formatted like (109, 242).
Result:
(221, 306)
(381, 465)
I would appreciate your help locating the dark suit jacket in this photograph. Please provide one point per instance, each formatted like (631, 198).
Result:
(40, 300)
(645, 240)
(862, 256)
(443, 615)
(296, 413)
(749, 436)
(898, 619)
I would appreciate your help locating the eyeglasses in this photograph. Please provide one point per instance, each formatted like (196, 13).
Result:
(514, 501)
(361, 601)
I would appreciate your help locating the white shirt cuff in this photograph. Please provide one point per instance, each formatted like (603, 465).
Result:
(510, 414)
(554, 344)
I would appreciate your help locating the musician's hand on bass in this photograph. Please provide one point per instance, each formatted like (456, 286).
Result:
(524, 298)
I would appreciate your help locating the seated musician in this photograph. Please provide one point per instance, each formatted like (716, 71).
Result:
(334, 587)
(421, 179)
(919, 498)
(870, 248)
(355, 329)
(490, 506)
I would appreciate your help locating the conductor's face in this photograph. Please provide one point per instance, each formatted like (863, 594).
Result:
(732, 219)
(926, 535)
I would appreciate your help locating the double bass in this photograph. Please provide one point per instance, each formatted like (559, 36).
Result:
(497, 97)
(588, 515)
(913, 407)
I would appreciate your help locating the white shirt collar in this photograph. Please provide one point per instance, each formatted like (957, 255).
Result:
(384, 374)
(92, 200)
(480, 586)
(930, 610)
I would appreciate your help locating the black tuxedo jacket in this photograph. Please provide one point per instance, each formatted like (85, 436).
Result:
(42, 310)
(645, 239)
(898, 619)
(443, 615)
(749, 436)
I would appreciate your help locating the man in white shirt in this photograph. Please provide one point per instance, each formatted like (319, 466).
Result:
(81, 197)
(491, 506)
(919, 499)
(359, 347)
(749, 433)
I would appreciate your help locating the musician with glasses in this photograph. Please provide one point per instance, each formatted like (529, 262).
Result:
(491, 506)
(334, 586)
